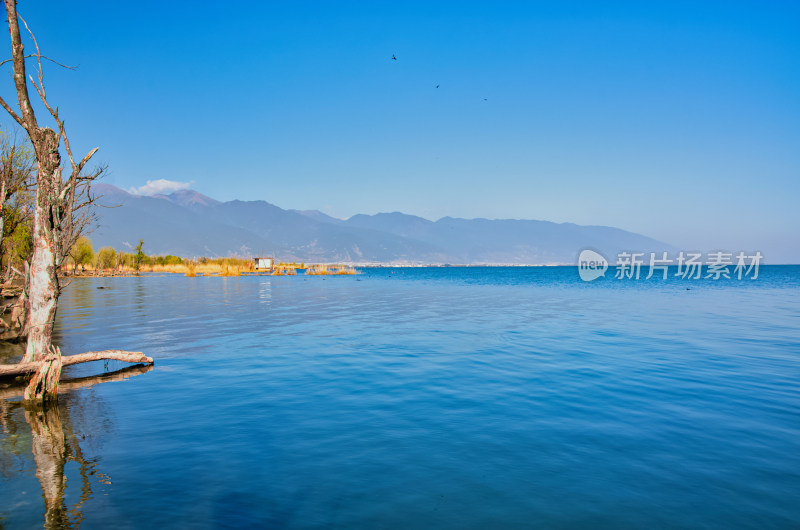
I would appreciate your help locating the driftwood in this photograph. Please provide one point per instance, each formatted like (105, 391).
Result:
(7, 370)
(68, 385)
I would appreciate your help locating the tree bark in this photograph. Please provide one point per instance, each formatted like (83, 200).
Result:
(3, 214)
(116, 355)
(43, 386)
(43, 283)
(19, 310)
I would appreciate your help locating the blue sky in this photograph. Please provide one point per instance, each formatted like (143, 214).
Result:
(678, 120)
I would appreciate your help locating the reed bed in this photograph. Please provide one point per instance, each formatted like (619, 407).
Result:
(324, 270)
(216, 267)
(231, 267)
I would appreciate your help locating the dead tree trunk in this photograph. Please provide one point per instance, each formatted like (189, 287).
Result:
(2, 213)
(19, 311)
(56, 226)
(43, 283)
(54, 222)
(43, 280)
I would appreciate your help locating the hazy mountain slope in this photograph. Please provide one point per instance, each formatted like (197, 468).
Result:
(397, 223)
(191, 199)
(241, 228)
(165, 227)
(301, 237)
(319, 216)
(525, 241)
(190, 224)
(508, 240)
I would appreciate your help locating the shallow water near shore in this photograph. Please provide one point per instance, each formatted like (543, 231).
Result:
(419, 398)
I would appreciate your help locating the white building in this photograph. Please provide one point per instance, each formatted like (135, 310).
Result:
(264, 263)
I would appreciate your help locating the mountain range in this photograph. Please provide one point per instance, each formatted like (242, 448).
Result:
(189, 224)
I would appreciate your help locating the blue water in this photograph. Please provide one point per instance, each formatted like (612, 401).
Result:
(423, 398)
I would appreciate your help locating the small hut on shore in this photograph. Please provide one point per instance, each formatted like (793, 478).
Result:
(264, 263)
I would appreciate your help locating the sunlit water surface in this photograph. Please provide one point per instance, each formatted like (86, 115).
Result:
(420, 398)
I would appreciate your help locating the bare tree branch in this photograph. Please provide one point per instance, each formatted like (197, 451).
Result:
(18, 55)
(11, 111)
(39, 88)
(43, 57)
(117, 355)
(83, 382)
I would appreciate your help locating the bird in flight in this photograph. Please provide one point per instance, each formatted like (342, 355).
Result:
(437, 86)
(394, 58)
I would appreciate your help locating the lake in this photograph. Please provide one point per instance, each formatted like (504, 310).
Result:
(445, 397)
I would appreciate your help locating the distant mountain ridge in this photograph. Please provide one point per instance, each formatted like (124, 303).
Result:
(189, 224)
(188, 198)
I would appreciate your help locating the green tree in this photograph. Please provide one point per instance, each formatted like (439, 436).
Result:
(81, 252)
(139, 257)
(106, 258)
(124, 259)
(167, 260)
(17, 173)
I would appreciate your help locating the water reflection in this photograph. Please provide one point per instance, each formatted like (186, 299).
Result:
(265, 292)
(47, 439)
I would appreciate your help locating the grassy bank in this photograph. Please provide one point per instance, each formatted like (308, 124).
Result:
(221, 267)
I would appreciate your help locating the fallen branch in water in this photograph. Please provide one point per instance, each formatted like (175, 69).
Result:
(115, 355)
(68, 385)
